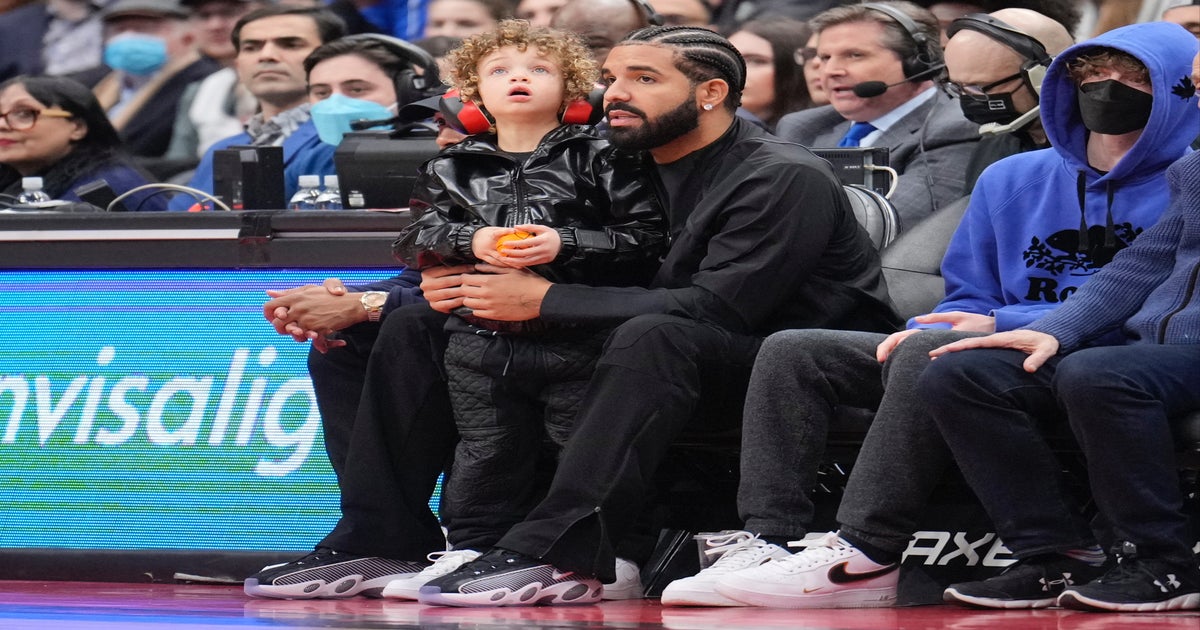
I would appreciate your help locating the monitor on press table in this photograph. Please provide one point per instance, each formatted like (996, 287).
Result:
(856, 165)
(377, 170)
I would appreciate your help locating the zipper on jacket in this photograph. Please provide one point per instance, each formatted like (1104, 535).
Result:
(1187, 297)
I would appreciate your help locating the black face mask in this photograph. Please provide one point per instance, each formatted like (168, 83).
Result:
(1113, 108)
(996, 108)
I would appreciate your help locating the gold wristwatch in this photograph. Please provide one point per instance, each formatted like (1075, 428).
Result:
(372, 302)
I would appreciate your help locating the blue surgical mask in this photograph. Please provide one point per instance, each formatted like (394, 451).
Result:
(332, 116)
(136, 53)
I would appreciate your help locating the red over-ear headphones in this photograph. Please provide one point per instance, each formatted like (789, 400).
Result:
(471, 118)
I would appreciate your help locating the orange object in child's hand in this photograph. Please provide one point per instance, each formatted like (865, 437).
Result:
(515, 236)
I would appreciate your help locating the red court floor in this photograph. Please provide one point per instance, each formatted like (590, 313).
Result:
(111, 606)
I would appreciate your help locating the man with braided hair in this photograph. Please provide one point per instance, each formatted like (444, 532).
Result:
(763, 239)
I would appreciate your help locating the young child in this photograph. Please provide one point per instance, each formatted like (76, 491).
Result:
(531, 192)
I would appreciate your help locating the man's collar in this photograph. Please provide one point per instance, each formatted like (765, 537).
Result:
(887, 120)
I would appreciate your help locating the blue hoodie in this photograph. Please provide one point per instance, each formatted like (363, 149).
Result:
(1016, 255)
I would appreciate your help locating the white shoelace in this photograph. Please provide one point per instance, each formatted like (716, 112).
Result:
(445, 562)
(816, 552)
(737, 550)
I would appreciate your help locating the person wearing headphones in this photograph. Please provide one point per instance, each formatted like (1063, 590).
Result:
(272, 43)
(880, 62)
(996, 65)
(1039, 225)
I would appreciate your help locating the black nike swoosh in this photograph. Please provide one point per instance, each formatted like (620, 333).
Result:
(839, 575)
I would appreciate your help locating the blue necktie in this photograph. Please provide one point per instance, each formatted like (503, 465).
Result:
(857, 132)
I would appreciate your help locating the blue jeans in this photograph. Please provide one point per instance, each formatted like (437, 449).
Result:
(1117, 400)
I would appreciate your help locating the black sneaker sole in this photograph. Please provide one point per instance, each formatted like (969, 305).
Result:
(1078, 601)
(953, 596)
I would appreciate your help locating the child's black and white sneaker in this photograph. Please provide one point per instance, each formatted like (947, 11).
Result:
(506, 578)
(326, 573)
(1138, 585)
(1030, 583)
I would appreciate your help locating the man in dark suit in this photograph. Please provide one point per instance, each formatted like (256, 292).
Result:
(890, 51)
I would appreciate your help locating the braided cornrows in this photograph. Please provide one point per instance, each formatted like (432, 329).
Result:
(703, 51)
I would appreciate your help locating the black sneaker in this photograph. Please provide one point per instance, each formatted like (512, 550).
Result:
(1030, 583)
(506, 578)
(1138, 585)
(326, 573)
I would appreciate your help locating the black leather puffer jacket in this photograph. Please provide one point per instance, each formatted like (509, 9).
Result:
(598, 198)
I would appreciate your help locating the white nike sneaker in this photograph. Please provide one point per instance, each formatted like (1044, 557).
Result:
(830, 573)
(628, 584)
(444, 562)
(738, 550)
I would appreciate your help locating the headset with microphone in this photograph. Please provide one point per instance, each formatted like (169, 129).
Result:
(1033, 69)
(926, 60)
(410, 85)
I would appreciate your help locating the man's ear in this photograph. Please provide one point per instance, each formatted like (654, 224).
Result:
(712, 92)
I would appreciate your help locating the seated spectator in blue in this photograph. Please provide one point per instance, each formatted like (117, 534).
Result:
(889, 53)
(558, 201)
(53, 128)
(272, 43)
(366, 77)
(1117, 393)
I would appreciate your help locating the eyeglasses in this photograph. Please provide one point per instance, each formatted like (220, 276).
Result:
(22, 119)
(958, 90)
(804, 55)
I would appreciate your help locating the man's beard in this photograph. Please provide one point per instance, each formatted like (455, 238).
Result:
(655, 133)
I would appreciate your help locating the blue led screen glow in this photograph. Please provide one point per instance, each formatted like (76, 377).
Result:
(159, 410)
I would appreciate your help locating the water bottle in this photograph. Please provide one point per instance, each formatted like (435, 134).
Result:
(32, 193)
(331, 197)
(306, 197)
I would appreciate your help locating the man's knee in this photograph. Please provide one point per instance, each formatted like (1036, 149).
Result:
(649, 331)
(1091, 375)
(951, 373)
(913, 353)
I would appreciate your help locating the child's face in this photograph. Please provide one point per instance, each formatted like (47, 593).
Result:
(518, 85)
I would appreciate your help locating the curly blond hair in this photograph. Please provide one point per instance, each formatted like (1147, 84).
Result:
(573, 57)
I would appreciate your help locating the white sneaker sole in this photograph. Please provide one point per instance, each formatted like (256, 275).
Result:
(952, 596)
(408, 589)
(632, 591)
(567, 593)
(1077, 601)
(848, 598)
(695, 597)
